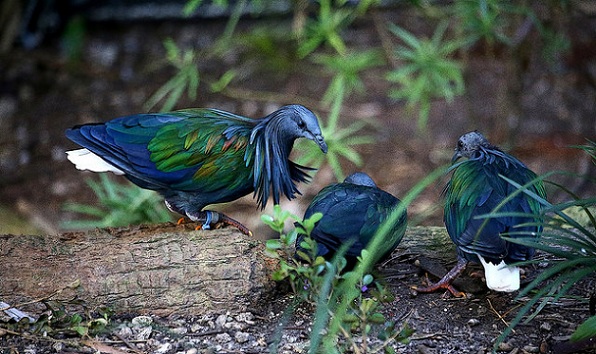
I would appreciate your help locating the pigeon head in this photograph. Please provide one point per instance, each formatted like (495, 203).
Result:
(360, 178)
(468, 144)
(300, 122)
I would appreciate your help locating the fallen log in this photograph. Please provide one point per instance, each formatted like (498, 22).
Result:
(159, 269)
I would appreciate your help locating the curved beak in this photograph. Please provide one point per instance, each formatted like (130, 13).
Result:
(456, 156)
(321, 142)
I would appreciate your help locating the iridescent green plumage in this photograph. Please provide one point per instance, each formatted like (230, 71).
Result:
(197, 157)
(479, 187)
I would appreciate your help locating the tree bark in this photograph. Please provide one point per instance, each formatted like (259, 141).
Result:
(161, 269)
(158, 269)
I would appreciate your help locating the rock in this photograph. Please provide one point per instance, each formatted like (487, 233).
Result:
(241, 337)
(505, 346)
(245, 317)
(164, 348)
(221, 321)
(473, 322)
(142, 321)
(223, 337)
(125, 331)
(144, 333)
(180, 330)
(531, 349)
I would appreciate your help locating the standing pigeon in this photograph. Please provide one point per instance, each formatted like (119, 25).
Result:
(198, 157)
(477, 188)
(352, 212)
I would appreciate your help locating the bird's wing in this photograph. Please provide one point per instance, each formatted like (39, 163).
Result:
(185, 150)
(350, 213)
(476, 189)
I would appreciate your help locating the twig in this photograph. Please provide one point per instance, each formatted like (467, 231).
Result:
(499, 315)
(428, 336)
(128, 343)
(38, 337)
(207, 333)
(350, 339)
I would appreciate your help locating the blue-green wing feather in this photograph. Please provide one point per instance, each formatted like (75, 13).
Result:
(193, 149)
(477, 189)
(353, 213)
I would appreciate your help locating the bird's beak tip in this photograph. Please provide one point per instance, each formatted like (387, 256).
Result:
(323, 146)
(455, 157)
(321, 142)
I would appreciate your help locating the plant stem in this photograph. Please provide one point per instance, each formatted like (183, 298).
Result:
(337, 103)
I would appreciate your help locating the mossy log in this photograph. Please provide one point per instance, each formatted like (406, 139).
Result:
(161, 269)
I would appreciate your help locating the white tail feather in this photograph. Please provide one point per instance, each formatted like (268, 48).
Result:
(84, 159)
(500, 277)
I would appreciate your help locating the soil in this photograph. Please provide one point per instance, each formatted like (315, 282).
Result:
(535, 115)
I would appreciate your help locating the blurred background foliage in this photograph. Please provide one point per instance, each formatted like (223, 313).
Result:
(420, 61)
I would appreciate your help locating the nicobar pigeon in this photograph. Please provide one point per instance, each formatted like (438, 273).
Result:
(198, 157)
(477, 188)
(352, 213)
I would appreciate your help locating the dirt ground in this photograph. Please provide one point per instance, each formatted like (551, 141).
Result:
(42, 94)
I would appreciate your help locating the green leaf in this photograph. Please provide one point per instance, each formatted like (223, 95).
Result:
(349, 318)
(223, 81)
(278, 275)
(377, 317)
(191, 6)
(585, 330)
(81, 330)
(305, 257)
(273, 244)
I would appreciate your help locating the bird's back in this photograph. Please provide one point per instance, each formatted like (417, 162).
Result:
(352, 214)
(477, 188)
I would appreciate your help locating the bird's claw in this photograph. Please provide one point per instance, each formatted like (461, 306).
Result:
(434, 287)
(229, 221)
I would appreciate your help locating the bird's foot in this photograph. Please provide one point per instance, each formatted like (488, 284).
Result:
(208, 219)
(205, 219)
(436, 286)
(445, 282)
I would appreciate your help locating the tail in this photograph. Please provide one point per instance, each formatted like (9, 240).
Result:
(84, 159)
(500, 277)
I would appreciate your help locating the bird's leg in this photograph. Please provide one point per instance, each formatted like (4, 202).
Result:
(204, 218)
(445, 282)
(176, 210)
(208, 218)
(229, 221)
